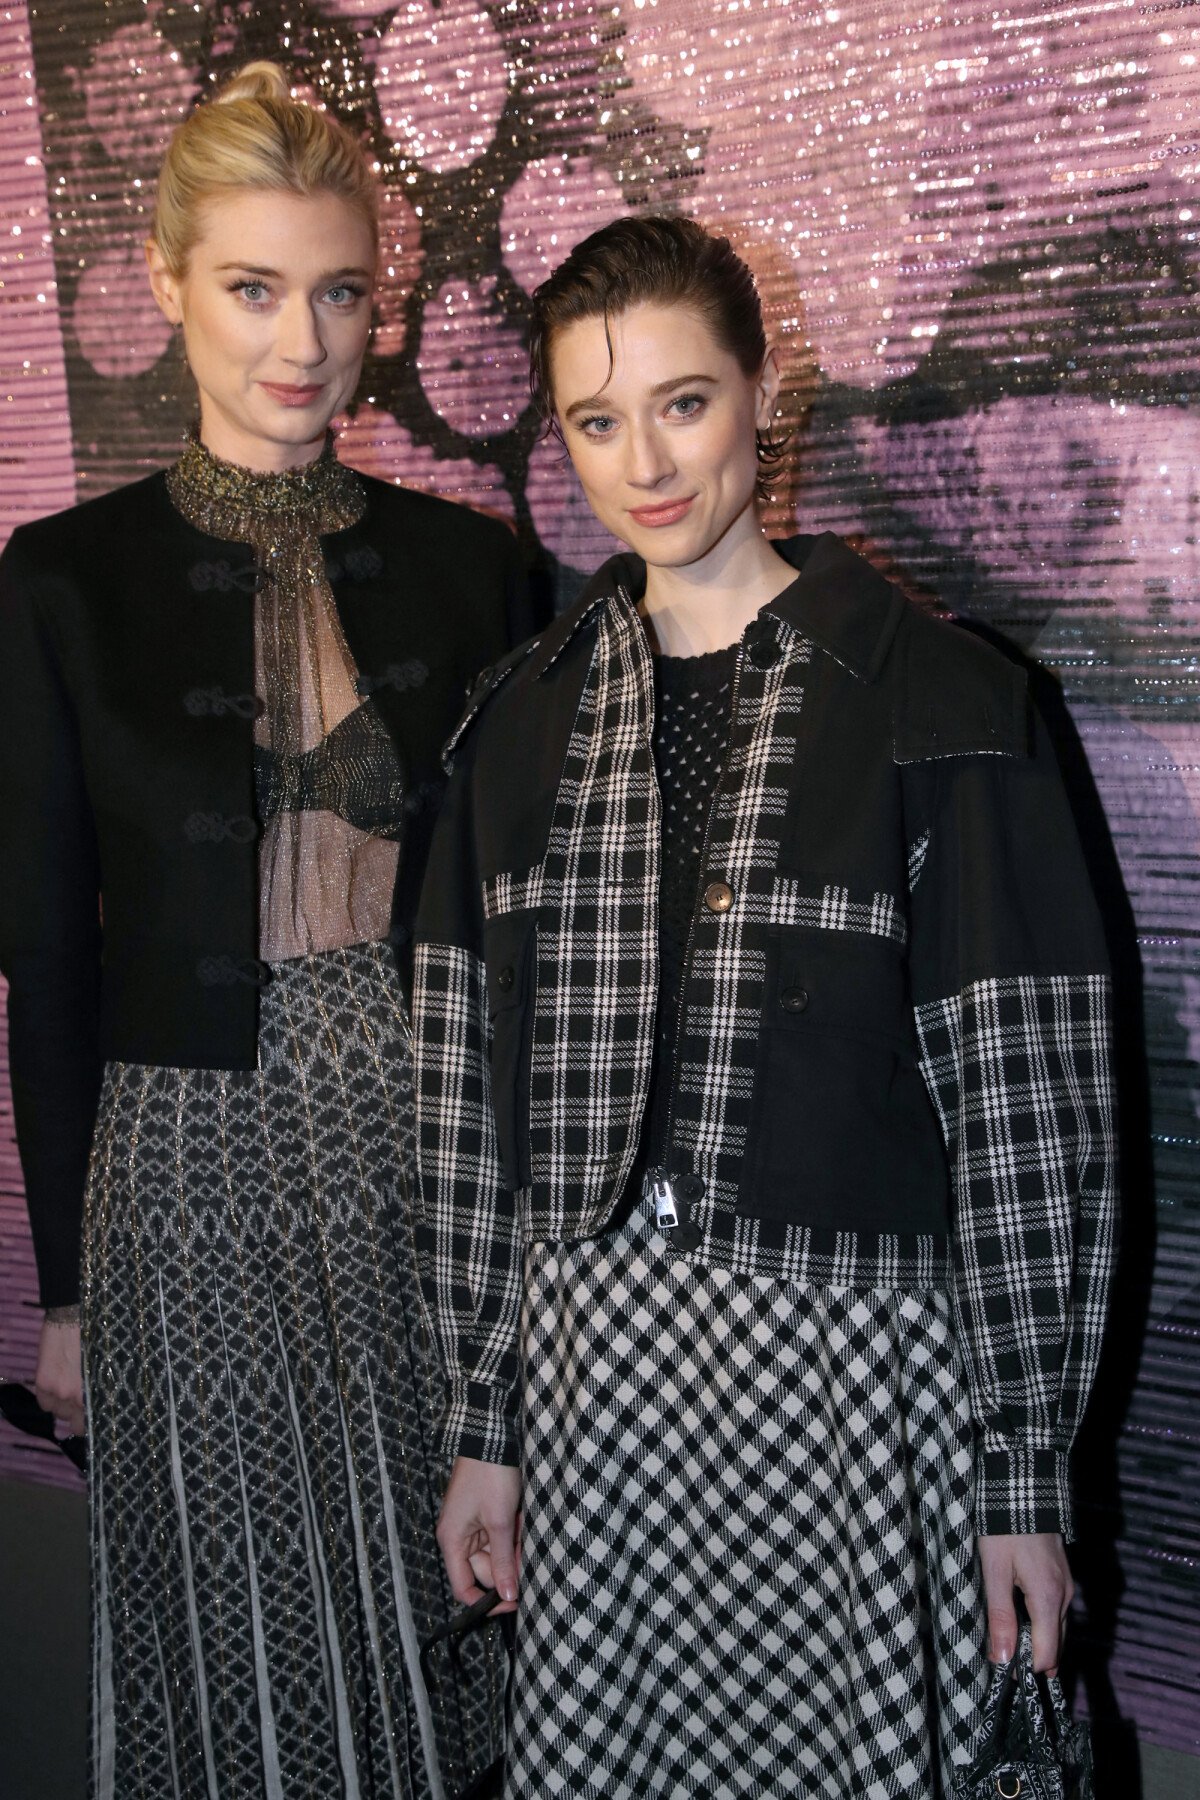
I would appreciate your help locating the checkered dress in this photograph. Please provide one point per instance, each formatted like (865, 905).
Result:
(749, 1564)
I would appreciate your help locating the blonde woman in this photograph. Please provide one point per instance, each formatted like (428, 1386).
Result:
(224, 691)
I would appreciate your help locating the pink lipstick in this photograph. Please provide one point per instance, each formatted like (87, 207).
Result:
(291, 396)
(667, 513)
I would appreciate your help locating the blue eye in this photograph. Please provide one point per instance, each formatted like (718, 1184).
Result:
(345, 294)
(599, 425)
(686, 406)
(253, 292)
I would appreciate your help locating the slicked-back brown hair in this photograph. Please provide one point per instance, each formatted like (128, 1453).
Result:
(659, 261)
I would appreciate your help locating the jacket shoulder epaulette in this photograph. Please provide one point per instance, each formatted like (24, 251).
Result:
(956, 695)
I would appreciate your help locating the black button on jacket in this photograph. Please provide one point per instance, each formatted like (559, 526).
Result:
(126, 786)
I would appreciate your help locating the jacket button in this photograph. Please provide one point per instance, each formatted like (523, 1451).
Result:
(718, 896)
(505, 978)
(214, 828)
(794, 999)
(686, 1235)
(762, 645)
(224, 971)
(691, 1187)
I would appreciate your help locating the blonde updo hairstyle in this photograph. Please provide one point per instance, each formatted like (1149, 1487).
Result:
(254, 135)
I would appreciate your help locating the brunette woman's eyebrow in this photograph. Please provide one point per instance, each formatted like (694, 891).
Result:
(593, 404)
(656, 392)
(678, 381)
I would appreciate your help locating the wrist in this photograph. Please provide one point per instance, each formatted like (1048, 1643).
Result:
(64, 1315)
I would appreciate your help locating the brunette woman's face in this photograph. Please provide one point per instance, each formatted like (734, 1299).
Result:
(276, 311)
(664, 444)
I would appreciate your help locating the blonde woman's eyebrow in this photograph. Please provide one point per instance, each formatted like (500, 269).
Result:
(656, 392)
(246, 268)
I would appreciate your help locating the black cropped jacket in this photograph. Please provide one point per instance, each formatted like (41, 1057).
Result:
(128, 853)
(892, 1065)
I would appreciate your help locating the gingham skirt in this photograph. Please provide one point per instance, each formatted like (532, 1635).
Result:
(748, 1561)
(264, 1482)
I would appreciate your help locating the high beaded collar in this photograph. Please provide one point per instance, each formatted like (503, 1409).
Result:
(231, 502)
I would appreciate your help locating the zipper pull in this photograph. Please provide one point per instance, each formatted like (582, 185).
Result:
(666, 1212)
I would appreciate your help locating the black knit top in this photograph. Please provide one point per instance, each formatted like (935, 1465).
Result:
(692, 714)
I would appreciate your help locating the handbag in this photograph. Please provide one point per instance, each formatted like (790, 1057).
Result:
(1029, 1747)
(489, 1783)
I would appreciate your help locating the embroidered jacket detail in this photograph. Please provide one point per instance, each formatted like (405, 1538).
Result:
(484, 687)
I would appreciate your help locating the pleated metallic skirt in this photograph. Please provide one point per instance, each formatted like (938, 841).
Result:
(264, 1478)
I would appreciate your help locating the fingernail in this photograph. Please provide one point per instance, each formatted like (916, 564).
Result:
(508, 1590)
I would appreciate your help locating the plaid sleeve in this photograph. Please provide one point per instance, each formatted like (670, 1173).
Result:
(467, 1244)
(1013, 1012)
(468, 1250)
(1018, 1071)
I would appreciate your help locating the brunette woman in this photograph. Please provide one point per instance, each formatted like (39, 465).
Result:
(763, 1112)
(224, 690)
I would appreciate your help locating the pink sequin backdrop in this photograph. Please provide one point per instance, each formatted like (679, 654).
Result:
(975, 236)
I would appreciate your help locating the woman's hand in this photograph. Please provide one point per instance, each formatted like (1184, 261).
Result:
(479, 1530)
(1035, 1563)
(58, 1383)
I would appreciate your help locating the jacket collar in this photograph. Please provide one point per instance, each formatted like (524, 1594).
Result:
(625, 571)
(837, 601)
(840, 603)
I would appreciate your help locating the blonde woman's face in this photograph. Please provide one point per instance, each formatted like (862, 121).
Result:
(276, 311)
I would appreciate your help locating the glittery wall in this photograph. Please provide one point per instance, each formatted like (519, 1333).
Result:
(975, 235)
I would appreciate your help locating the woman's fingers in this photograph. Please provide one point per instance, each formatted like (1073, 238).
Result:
(460, 1572)
(1046, 1620)
(501, 1528)
(995, 1560)
(1044, 1577)
(1048, 1590)
(478, 1528)
(1036, 1564)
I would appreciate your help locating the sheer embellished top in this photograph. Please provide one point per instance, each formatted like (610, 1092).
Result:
(327, 780)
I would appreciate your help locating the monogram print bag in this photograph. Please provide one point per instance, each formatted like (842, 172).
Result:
(1029, 1748)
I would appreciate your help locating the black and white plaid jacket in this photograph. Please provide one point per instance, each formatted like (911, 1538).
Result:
(893, 1058)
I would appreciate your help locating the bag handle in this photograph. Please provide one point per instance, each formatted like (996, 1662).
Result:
(1014, 1685)
(458, 1626)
